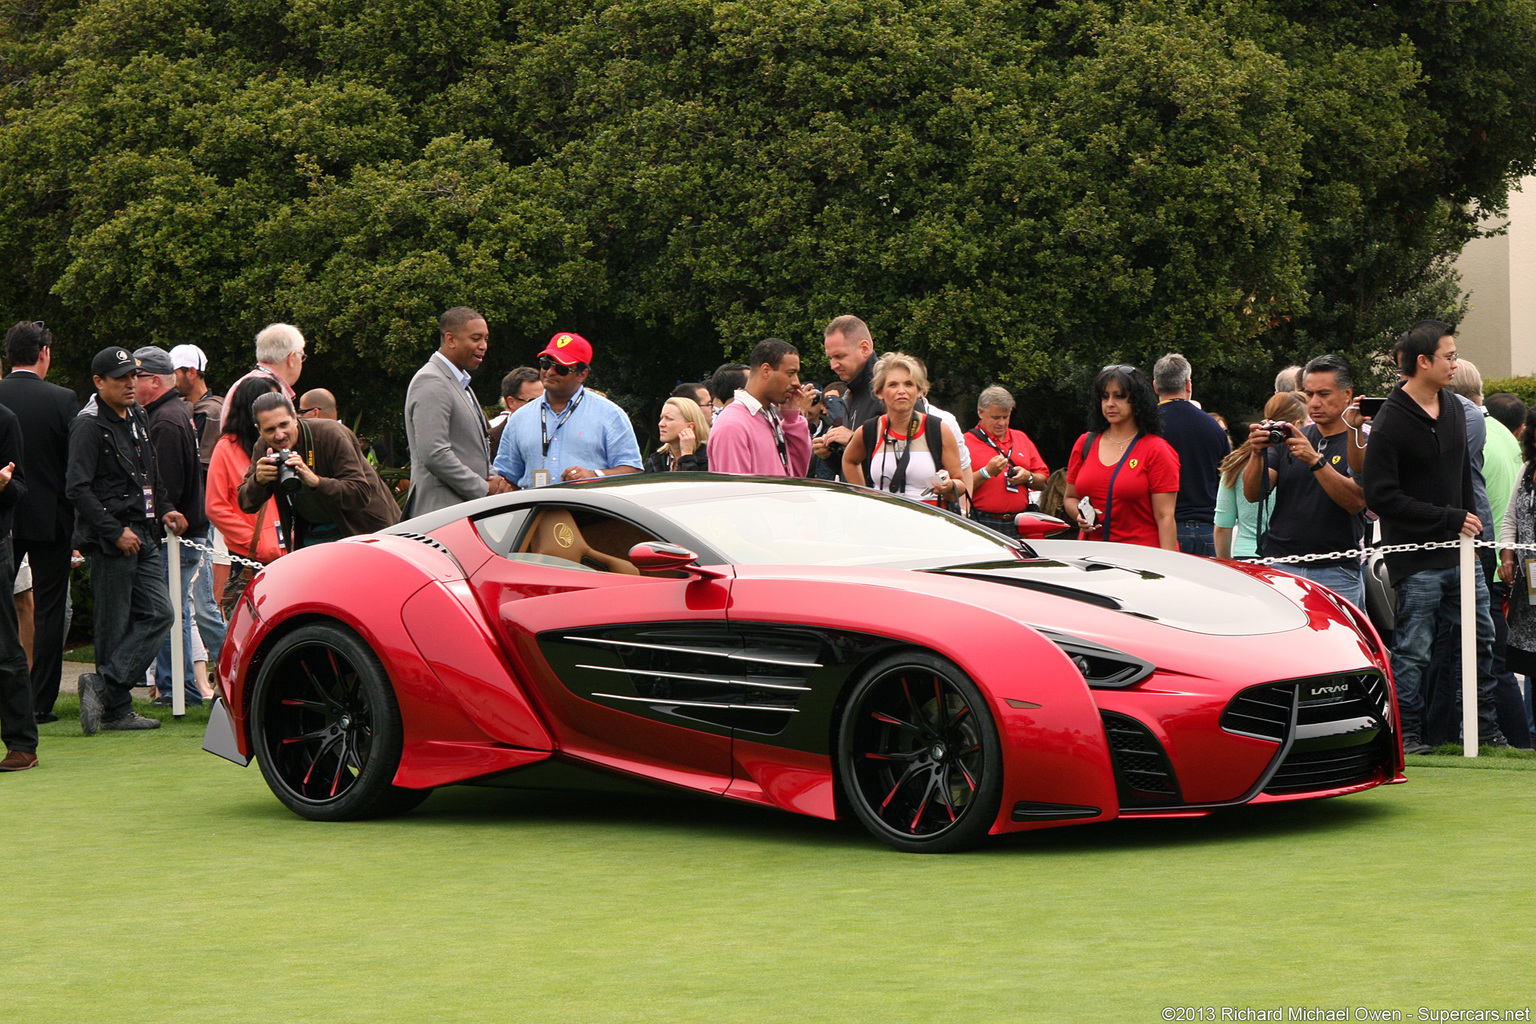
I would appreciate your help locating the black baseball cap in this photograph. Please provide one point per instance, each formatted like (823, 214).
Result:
(113, 362)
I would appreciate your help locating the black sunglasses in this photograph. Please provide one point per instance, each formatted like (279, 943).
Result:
(548, 362)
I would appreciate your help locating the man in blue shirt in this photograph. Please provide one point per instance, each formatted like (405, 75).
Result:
(570, 433)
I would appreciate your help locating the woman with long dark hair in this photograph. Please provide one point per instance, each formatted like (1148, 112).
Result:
(248, 536)
(1122, 465)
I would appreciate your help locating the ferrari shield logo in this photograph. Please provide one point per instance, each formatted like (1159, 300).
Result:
(1133, 463)
(562, 341)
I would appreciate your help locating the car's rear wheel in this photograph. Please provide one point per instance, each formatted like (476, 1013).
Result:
(326, 727)
(918, 755)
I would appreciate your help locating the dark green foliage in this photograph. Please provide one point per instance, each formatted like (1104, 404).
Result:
(1014, 192)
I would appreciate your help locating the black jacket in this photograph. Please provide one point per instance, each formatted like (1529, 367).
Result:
(45, 411)
(1418, 478)
(110, 460)
(11, 451)
(176, 457)
(860, 402)
(698, 462)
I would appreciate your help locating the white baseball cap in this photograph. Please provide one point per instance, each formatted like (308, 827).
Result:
(184, 356)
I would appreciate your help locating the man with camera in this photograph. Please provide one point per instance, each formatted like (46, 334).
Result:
(120, 506)
(1318, 501)
(1010, 464)
(316, 469)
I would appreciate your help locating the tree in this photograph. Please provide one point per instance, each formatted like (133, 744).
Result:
(1013, 192)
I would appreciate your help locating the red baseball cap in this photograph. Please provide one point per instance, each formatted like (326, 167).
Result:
(568, 349)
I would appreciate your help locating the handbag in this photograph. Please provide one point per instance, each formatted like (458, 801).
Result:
(239, 573)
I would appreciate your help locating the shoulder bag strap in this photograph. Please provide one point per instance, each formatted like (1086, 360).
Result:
(1109, 495)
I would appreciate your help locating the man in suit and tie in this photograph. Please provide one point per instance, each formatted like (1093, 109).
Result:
(444, 424)
(46, 520)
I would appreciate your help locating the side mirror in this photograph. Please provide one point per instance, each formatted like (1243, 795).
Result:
(1035, 525)
(655, 556)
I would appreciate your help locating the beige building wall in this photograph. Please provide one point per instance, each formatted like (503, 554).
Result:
(1499, 275)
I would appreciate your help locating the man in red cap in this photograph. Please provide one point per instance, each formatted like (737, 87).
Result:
(570, 433)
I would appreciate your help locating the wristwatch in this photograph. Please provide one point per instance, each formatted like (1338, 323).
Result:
(1319, 464)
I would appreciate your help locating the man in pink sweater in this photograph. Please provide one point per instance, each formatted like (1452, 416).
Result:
(763, 431)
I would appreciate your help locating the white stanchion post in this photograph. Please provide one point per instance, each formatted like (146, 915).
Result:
(178, 683)
(1468, 649)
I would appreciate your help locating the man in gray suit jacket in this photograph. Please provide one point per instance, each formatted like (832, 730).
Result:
(444, 424)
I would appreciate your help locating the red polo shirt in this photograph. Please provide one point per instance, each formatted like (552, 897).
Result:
(1150, 467)
(992, 496)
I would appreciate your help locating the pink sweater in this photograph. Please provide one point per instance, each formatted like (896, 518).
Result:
(741, 442)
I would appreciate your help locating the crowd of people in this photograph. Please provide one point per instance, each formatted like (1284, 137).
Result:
(262, 471)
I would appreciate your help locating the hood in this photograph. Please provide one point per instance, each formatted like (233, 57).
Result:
(1195, 594)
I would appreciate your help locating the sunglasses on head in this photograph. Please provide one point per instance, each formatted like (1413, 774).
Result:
(548, 363)
(1122, 367)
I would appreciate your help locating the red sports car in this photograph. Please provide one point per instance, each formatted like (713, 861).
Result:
(825, 650)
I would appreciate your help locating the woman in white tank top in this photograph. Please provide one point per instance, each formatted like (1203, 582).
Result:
(901, 459)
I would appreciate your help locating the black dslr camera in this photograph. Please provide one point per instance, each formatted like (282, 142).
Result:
(287, 477)
(1278, 432)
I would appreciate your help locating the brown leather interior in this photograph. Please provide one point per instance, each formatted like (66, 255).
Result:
(556, 535)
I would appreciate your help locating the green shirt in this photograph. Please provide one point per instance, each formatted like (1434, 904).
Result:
(1501, 468)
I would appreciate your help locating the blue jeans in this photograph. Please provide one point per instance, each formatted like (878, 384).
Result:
(1196, 537)
(197, 610)
(132, 619)
(1341, 579)
(1424, 599)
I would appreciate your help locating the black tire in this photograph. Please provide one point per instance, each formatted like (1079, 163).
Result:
(918, 755)
(326, 727)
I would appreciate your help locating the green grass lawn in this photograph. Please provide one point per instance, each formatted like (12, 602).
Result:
(150, 881)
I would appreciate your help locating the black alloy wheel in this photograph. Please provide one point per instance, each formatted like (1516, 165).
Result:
(326, 727)
(918, 755)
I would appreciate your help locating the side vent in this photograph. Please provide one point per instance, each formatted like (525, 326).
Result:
(1143, 773)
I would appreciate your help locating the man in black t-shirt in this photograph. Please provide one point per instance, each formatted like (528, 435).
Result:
(1318, 501)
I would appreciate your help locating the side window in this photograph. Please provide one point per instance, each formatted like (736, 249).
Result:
(500, 530)
(579, 538)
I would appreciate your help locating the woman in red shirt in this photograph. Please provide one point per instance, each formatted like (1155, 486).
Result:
(1125, 469)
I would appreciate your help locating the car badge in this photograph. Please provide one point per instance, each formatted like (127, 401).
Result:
(563, 535)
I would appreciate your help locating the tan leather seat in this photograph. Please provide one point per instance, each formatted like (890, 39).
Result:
(555, 535)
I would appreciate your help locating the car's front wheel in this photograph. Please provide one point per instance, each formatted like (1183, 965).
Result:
(918, 755)
(326, 727)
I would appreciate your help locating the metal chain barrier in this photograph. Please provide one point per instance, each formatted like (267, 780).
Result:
(211, 550)
(1359, 554)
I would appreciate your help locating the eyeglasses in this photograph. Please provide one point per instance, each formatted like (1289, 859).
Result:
(306, 412)
(548, 363)
(1122, 367)
(1450, 357)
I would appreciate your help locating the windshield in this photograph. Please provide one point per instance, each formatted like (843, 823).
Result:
(826, 526)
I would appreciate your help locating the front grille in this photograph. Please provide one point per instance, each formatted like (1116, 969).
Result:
(1308, 770)
(1262, 711)
(1338, 731)
(1143, 773)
